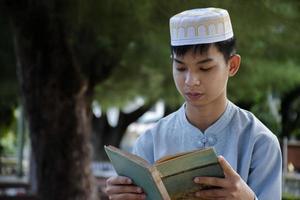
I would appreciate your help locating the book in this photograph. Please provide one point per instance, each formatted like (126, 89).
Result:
(171, 177)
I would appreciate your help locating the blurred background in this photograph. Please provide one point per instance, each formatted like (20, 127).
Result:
(77, 75)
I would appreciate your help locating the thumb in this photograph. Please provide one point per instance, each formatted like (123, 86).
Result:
(228, 170)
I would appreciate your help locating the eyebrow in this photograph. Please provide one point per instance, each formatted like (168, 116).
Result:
(199, 62)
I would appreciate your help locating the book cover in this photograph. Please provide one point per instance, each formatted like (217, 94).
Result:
(170, 177)
(141, 173)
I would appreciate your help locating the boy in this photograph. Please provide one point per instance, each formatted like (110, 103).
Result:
(203, 54)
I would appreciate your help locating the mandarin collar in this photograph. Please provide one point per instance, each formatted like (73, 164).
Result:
(216, 127)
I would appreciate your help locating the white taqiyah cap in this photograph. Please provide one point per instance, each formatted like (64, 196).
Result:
(200, 26)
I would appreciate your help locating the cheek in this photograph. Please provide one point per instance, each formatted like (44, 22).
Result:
(179, 81)
(178, 77)
(219, 83)
(215, 81)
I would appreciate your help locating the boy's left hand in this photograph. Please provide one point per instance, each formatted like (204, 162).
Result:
(232, 186)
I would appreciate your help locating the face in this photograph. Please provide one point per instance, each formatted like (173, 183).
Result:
(202, 78)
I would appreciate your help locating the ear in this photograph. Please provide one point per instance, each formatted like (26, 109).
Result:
(234, 64)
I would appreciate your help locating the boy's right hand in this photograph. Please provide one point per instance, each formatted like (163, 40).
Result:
(121, 187)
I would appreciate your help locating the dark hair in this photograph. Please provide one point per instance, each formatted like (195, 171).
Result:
(226, 47)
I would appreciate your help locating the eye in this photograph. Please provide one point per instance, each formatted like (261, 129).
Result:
(205, 69)
(180, 69)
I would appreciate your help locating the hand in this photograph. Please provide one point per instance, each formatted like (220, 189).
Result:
(120, 187)
(232, 186)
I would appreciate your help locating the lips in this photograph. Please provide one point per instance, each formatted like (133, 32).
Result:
(193, 95)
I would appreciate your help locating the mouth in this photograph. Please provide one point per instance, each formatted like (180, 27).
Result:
(193, 95)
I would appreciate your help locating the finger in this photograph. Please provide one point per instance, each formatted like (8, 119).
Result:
(211, 181)
(228, 170)
(212, 193)
(118, 180)
(119, 189)
(127, 196)
(213, 198)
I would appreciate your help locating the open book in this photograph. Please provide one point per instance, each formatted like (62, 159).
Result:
(171, 177)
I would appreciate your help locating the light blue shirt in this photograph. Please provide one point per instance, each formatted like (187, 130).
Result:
(249, 146)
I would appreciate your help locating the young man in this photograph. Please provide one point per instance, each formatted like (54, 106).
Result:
(203, 53)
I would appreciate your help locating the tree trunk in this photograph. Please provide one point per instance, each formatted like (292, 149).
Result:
(104, 134)
(290, 116)
(56, 102)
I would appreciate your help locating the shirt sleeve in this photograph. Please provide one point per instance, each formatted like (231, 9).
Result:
(265, 174)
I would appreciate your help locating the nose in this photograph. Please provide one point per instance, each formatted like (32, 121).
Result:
(191, 79)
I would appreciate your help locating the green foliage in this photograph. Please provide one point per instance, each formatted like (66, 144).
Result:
(289, 197)
(8, 133)
(8, 143)
(123, 48)
(263, 112)
(258, 76)
(296, 133)
(267, 41)
(8, 87)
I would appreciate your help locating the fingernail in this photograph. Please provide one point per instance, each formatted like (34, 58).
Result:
(139, 190)
(196, 180)
(198, 194)
(128, 181)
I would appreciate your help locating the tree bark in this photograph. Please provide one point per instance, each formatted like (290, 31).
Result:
(56, 102)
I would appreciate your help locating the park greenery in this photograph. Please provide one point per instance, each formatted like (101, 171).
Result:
(117, 38)
(113, 51)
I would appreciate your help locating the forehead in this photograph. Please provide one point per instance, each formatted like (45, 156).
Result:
(210, 51)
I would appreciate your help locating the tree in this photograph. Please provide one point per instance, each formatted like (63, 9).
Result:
(290, 109)
(113, 135)
(8, 79)
(57, 71)
(266, 39)
(55, 96)
(70, 53)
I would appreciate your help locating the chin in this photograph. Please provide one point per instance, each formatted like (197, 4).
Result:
(196, 103)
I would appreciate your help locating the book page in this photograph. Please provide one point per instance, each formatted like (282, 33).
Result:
(179, 155)
(170, 157)
(186, 161)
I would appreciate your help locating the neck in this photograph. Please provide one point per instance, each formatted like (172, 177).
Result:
(204, 116)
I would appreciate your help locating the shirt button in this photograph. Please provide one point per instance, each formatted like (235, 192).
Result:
(199, 144)
(204, 140)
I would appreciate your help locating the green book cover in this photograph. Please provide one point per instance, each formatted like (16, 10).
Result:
(170, 177)
(142, 174)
